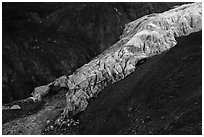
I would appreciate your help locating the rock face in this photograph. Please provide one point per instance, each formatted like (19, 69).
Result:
(145, 37)
(101, 24)
(34, 55)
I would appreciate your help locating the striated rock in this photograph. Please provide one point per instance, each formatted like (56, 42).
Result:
(145, 37)
(15, 107)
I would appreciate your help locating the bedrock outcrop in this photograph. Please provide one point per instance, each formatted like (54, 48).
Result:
(142, 38)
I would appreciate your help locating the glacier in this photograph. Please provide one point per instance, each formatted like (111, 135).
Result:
(142, 38)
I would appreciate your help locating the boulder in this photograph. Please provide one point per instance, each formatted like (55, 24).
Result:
(15, 107)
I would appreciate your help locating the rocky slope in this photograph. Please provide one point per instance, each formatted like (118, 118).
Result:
(42, 41)
(145, 37)
(101, 23)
